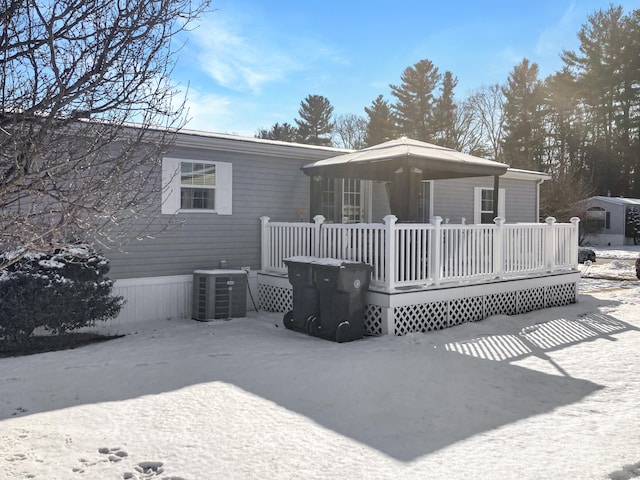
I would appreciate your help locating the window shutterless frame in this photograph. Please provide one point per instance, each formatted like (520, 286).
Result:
(196, 186)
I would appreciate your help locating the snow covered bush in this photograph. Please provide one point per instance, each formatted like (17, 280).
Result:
(59, 292)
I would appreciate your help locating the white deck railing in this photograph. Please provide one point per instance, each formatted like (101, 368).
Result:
(410, 254)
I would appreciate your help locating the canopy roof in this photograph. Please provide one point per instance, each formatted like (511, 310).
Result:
(380, 162)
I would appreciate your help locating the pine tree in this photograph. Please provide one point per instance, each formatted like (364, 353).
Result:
(445, 114)
(381, 125)
(565, 126)
(316, 123)
(284, 132)
(607, 73)
(524, 118)
(414, 108)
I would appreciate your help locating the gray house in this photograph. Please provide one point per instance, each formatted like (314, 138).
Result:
(218, 186)
(611, 221)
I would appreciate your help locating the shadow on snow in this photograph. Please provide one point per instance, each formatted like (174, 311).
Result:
(404, 396)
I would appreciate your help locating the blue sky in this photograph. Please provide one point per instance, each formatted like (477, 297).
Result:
(250, 62)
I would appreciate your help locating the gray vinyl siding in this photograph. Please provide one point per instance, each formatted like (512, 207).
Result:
(263, 185)
(268, 181)
(453, 199)
(521, 201)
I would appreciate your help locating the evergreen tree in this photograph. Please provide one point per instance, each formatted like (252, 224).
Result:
(414, 108)
(381, 125)
(445, 114)
(607, 73)
(284, 132)
(524, 107)
(562, 196)
(565, 128)
(316, 120)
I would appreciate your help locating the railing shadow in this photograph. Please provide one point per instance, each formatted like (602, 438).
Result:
(405, 399)
(537, 340)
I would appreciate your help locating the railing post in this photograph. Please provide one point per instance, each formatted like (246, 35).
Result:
(575, 241)
(265, 242)
(390, 251)
(550, 244)
(437, 242)
(318, 220)
(498, 247)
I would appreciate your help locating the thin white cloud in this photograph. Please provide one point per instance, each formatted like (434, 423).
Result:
(560, 35)
(242, 55)
(207, 112)
(232, 59)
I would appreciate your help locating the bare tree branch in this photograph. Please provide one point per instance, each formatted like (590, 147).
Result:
(86, 110)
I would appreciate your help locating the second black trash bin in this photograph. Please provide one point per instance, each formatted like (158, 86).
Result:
(306, 304)
(342, 286)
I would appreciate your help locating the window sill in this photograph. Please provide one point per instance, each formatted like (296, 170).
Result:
(195, 210)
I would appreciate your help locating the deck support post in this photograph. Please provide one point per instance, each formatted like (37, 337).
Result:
(436, 241)
(390, 251)
(575, 240)
(317, 241)
(549, 244)
(265, 243)
(498, 242)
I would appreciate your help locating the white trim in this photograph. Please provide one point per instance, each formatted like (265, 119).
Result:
(171, 186)
(252, 145)
(477, 203)
(518, 174)
(224, 188)
(399, 299)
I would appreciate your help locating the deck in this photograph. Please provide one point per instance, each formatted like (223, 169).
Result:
(434, 275)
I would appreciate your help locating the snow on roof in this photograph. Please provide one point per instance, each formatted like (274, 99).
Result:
(380, 162)
(403, 147)
(616, 200)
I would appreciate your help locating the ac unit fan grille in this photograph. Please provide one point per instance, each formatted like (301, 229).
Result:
(219, 296)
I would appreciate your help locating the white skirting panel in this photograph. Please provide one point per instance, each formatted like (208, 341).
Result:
(155, 298)
(163, 298)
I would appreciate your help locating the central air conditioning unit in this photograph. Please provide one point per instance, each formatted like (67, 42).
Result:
(219, 294)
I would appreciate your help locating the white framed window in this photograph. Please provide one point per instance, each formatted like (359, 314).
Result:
(483, 204)
(328, 199)
(351, 201)
(596, 219)
(343, 200)
(196, 186)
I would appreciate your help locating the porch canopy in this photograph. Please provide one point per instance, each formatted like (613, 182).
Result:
(404, 163)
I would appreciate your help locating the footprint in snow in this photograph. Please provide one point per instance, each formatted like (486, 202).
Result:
(114, 454)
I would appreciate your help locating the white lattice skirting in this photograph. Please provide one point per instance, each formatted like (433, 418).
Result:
(425, 310)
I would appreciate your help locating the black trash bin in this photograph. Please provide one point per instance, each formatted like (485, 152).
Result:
(342, 287)
(306, 304)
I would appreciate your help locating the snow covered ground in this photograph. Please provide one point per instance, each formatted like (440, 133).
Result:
(552, 394)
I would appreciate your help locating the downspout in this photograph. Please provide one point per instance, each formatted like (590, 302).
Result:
(496, 189)
(538, 183)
